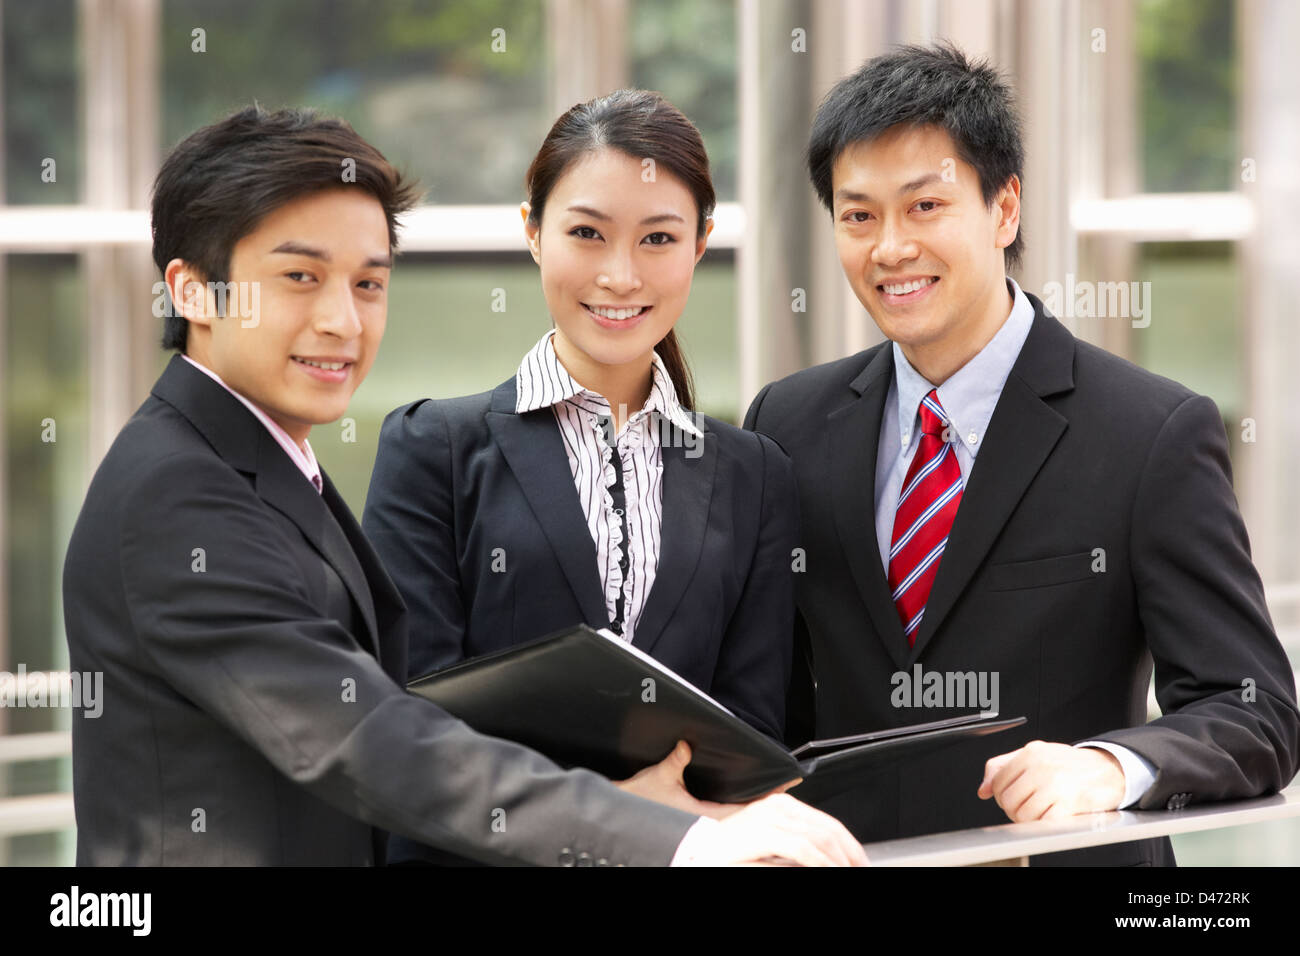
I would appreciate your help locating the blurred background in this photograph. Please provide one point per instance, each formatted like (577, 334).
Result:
(1162, 140)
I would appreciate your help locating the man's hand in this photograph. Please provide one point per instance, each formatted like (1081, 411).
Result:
(1043, 781)
(780, 830)
(663, 783)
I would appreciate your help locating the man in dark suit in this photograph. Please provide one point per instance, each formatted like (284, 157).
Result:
(986, 500)
(252, 646)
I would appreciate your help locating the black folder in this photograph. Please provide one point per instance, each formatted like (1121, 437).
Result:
(588, 699)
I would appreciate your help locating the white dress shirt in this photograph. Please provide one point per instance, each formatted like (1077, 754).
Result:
(581, 414)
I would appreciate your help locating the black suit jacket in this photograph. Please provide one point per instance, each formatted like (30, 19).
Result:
(252, 649)
(1087, 459)
(474, 512)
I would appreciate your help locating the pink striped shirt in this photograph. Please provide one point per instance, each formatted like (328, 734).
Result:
(302, 456)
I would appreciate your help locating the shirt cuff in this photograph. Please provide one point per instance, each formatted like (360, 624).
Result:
(694, 842)
(1139, 773)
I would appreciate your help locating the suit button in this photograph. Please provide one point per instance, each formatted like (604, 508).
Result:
(584, 859)
(566, 857)
(602, 862)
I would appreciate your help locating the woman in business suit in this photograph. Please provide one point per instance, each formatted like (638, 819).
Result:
(583, 489)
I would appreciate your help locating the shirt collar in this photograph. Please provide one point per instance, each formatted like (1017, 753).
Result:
(542, 381)
(971, 393)
(303, 457)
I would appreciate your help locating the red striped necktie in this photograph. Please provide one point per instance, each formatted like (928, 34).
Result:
(927, 506)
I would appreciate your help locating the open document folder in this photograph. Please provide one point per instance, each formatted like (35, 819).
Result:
(586, 698)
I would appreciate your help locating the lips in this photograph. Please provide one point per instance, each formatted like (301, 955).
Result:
(323, 368)
(624, 317)
(331, 365)
(906, 289)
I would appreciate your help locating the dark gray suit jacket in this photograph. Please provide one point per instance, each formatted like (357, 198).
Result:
(252, 648)
(1085, 451)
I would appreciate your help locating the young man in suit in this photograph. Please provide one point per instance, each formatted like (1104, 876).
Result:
(250, 641)
(984, 496)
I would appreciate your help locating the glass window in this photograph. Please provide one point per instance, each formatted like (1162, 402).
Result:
(46, 406)
(42, 122)
(432, 85)
(686, 49)
(1196, 322)
(1188, 76)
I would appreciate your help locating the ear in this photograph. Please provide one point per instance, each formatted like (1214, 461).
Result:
(702, 243)
(532, 232)
(1007, 209)
(189, 292)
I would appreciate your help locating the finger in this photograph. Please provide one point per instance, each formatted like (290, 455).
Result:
(991, 768)
(1014, 796)
(1009, 773)
(673, 767)
(786, 786)
(1036, 807)
(680, 756)
(827, 833)
(796, 847)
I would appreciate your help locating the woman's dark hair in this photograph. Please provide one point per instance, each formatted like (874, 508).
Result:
(643, 125)
(921, 86)
(222, 180)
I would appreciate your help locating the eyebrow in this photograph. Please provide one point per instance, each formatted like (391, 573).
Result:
(926, 180)
(647, 221)
(292, 248)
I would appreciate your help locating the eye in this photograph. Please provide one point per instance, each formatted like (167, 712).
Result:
(297, 276)
(374, 284)
(927, 202)
(659, 239)
(584, 232)
(857, 215)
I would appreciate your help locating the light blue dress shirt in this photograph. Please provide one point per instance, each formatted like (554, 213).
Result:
(968, 397)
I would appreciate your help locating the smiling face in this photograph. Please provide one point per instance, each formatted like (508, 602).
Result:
(317, 270)
(921, 249)
(617, 254)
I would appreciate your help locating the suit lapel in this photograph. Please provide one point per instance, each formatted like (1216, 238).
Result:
(242, 441)
(387, 609)
(1021, 434)
(534, 450)
(281, 485)
(687, 492)
(852, 435)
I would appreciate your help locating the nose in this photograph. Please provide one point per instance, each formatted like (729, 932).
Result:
(894, 243)
(337, 314)
(618, 273)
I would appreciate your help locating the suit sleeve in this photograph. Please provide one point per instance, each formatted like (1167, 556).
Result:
(753, 668)
(1230, 727)
(409, 519)
(238, 636)
(751, 416)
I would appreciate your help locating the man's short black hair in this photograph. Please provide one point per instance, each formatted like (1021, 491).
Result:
(924, 86)
(218, 184)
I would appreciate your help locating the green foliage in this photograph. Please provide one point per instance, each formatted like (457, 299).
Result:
(40, 101)
(1189, 86)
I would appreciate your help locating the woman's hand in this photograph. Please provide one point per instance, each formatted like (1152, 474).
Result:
(663, 783)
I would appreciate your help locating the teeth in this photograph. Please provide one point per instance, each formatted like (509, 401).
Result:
(616, 313)
(328, 366)
(907, 287)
